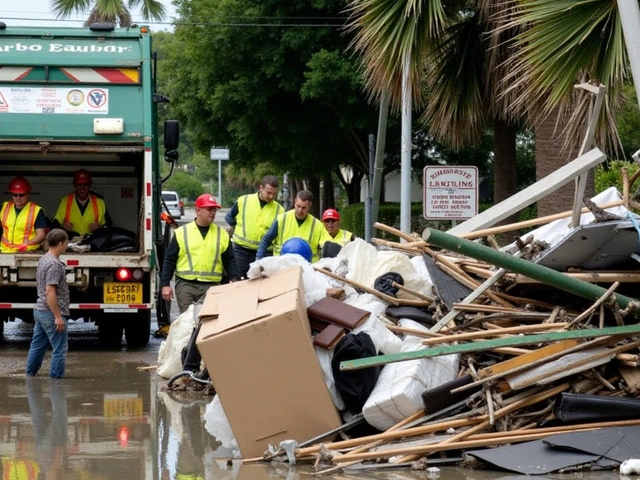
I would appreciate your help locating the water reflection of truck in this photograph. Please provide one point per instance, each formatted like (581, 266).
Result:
(74, 98)
(96, 433)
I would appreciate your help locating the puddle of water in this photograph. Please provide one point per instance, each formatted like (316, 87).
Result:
(120, 424)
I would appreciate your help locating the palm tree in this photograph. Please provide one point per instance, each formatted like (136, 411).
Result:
(496, 63)
(458, 50)
(112, 11)
(564, 42)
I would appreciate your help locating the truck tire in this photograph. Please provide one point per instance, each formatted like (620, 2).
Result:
(109, 332)
(137, 330)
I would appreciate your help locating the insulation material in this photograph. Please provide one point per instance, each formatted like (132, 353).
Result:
(398, 393)
(170, 352)
(366, 263)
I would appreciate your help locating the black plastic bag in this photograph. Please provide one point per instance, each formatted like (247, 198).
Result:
(112, 239)
(354, 386)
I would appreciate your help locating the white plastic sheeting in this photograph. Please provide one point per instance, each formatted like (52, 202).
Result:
(170, 352)
(398, 393)
(366, 263)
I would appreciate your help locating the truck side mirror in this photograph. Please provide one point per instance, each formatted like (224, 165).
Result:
(171, 135)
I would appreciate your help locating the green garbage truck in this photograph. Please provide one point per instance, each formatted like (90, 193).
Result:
(84, 98)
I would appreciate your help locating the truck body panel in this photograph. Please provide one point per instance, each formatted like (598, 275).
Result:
(73, 98)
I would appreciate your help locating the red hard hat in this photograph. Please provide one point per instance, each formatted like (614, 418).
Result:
(330, 214)
(19, 185)
(81, 176)
(207, 200)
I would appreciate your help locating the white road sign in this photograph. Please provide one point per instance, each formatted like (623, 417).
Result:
(218, 153)
(450, 192)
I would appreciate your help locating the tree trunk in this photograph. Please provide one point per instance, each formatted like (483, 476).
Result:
(549, 157)
(505, 171)
(328, 198)
(314, 188)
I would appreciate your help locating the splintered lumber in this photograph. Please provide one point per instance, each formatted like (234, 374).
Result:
(470, 298)
(456, 441)
(494, 332)
(533, 222)
(631, 376)
(487, 345)
(567, 365)
(392, 300)
(599, 302)
(544, 274)
(411, 292)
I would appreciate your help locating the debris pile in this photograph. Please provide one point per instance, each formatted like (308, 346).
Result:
(540, 351)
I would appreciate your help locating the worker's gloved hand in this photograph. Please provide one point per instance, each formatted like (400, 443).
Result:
(23, 247)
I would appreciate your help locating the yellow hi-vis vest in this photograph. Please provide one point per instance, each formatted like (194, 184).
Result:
(342, 237)
(18, 229)
(19, 469)
(312, 230)
(68, 211)
(200, 258)
(252, 221)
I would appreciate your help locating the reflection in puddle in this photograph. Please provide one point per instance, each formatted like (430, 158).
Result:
(115, 426)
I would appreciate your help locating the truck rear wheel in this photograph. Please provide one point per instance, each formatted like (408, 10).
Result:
(137, 330)
(109, 332)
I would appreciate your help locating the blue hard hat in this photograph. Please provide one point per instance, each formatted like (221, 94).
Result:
(299, 246)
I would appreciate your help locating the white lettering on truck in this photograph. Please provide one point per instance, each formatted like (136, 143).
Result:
(59, 47)
(19, 47)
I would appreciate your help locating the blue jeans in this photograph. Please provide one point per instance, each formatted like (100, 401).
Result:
(45, 334)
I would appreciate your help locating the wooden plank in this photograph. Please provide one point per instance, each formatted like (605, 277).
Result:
(532, 194)
(487, 345)
(527, 358)
(560, 368)
(631, 376)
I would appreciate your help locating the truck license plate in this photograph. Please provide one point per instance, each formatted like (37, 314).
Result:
(115, 292)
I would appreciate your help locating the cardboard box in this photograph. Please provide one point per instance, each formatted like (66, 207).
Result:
(256, 343)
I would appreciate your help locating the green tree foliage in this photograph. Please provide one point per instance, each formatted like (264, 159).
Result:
(187, 186)
(272, 84)
(609, 174)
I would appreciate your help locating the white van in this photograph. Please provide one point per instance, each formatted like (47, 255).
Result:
(172, 201)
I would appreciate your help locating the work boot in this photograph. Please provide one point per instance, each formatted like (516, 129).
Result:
(162, 332)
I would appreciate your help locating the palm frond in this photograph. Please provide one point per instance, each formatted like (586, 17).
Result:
(388, 31)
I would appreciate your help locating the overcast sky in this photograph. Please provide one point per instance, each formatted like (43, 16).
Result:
(38, 13)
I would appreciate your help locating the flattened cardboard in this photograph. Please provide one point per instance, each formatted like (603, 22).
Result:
(262, 362)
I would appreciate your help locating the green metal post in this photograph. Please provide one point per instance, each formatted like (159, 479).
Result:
(540, 273)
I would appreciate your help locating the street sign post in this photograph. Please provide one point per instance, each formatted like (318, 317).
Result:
(450, 192)
(219, 153)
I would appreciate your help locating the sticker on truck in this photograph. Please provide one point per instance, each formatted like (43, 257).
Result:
(54, 100)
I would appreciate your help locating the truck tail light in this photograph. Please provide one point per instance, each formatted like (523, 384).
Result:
(123, 275)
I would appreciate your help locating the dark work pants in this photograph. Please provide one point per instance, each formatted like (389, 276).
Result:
(191, 355)
(244, 257)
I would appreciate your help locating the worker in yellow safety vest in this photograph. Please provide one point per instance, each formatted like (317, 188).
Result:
(331, 220)
(250, 217)
(197, 254)
(82, 211)
(295, 223)
(24, 225)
